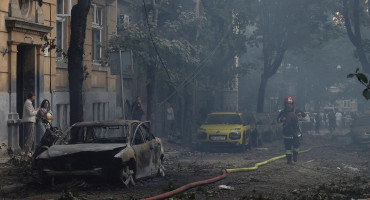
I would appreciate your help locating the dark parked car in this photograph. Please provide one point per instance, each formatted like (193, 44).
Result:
(122, 150)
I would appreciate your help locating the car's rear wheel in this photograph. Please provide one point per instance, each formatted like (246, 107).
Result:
(127, 176)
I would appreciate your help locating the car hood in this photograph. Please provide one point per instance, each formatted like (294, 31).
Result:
(221, 126)
(62, 150)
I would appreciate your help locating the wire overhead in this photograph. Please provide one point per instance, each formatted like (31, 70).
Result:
(154, 45)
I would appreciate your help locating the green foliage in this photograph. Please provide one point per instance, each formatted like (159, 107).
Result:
(362, 78)
(193, 45)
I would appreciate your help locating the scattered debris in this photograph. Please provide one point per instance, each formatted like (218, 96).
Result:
(225, 187)
(351, 168)
(262, 149)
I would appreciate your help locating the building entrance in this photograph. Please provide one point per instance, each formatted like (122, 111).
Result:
(26, 79)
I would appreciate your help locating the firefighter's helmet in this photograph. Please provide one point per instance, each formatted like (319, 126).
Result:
(288, 100)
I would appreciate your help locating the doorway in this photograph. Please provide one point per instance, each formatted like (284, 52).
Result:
(26, 79)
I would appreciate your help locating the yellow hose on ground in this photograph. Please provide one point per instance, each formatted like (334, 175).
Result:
(261, 163)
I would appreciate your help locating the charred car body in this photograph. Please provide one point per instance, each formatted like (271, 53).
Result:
(121, 150)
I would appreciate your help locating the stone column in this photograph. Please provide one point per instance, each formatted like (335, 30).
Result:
(13, 116)
(40, 74)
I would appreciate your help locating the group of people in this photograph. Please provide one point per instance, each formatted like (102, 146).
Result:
(41, 117)
(331, 120)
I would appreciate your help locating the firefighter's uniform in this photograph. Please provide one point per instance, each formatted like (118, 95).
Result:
(291, 131)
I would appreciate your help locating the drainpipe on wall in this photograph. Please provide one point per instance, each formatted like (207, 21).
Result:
(51, 89)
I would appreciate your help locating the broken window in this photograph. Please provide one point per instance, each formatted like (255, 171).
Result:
(138, 137)
(97, 134)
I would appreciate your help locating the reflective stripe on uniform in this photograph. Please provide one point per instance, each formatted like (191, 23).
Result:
(295, 149)
(288, 152)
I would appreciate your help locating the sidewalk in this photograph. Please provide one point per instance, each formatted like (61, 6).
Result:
(4, 156)
(339, 137)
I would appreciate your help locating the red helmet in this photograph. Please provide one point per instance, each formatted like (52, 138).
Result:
(288, 100)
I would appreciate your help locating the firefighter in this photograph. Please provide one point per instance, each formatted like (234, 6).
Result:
(291, 131)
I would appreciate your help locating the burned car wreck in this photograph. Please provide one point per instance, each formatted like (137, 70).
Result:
(119, 150)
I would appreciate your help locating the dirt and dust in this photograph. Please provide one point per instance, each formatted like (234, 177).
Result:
(330, 170)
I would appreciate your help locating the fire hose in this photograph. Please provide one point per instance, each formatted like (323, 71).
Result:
(224, 174)
(260, 163)
(188, 186)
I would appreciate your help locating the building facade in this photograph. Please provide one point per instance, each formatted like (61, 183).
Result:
(34, 41)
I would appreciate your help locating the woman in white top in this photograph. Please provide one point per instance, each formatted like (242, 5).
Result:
(28, 120)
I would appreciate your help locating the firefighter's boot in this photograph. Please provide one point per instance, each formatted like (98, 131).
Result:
(295, 156)
(289, 159)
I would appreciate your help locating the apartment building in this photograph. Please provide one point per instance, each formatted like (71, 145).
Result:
(34, 37)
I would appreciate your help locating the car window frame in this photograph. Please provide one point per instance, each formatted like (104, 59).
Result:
(138, 131)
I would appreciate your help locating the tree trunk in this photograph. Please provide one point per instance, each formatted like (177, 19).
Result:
(150, 82)
(261, 93)
(75, 56)
(355, 36)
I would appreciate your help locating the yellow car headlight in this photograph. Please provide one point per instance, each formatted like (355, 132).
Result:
(235, 135)
(201, 129)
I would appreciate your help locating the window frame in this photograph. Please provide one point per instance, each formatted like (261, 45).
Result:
(60, 18)
(94, 20)
(62, 6)
(97, 26)
(346, 103)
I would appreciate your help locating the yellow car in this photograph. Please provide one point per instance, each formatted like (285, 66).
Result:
(225, 128)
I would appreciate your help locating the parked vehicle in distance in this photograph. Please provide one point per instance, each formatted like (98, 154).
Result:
(226, 128)
(122, 150)
(360, 129)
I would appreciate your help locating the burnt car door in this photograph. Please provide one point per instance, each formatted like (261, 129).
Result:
(142, 152)
(154, 147)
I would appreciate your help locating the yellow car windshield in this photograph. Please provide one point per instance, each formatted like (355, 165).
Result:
(223, 119)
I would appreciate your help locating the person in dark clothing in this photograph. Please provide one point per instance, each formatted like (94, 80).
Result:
(137, 109)
(291, 132)
(318, 122)
(332, 122)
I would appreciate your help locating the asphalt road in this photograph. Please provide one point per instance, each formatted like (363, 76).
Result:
(333, 169)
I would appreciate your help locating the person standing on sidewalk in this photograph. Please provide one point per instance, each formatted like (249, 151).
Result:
(29, 120)
(44, 119)
(137, 109)
(318, 122)
(170, 121)
(291, 133)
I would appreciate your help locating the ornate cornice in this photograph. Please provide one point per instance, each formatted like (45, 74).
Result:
(19, 25)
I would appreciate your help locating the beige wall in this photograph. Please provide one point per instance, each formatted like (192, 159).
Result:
(99, 76)
(15, 37)
(4, 78)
